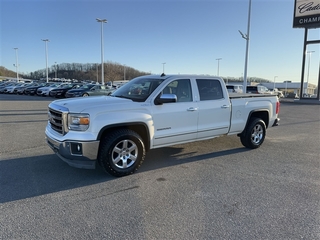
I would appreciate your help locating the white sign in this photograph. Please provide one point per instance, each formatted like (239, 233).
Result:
(307, 14)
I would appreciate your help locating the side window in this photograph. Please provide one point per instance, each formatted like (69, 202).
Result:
(209, 89)
(181, 88)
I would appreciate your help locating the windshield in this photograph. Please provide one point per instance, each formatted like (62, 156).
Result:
(54, 85)
(138, 89)
(88, 86)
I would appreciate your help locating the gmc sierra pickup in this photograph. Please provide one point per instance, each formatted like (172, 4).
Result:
(151, 112)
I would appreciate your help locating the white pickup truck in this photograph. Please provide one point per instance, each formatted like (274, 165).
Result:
(151, 112)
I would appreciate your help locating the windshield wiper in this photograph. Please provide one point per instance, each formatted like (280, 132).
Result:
(121, 96)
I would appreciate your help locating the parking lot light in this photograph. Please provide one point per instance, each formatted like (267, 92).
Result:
(46, 45)
(16, 65)
(102, 21)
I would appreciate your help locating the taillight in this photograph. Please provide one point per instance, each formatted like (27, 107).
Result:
(277, 107)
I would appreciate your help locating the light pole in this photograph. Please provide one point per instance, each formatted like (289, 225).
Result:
(97, 73)
(16, 65)
(124, 72)
(46, 45)
(163, 67)
(246, 37)
(309, 59)
(102, 21)
(274, 83)
(218, 59)
(285, 94)
(56, 70)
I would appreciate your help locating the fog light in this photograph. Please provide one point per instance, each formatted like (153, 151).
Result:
(76, 148)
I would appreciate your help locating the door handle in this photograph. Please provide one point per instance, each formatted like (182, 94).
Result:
(192, 109)
(225, 106)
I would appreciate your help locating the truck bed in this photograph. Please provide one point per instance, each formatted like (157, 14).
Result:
(248, 95)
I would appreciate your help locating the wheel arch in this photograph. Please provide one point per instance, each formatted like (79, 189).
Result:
(263, 114)
(139, 127)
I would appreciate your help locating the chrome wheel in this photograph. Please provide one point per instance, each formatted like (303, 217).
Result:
(257, 134)
(124, 154)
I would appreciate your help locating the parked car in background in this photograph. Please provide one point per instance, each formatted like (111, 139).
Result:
(98, 90)
(259, 89)
(10, 88)
(79, 92)
(44, 91)
(234, 88)
(277, 92)
(20, 89)
(6, 84)
(61, 91)
(33, 89)
(292, 95)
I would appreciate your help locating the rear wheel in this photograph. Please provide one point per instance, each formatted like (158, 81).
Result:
(121, 152)
(85, 95)
(254, 134)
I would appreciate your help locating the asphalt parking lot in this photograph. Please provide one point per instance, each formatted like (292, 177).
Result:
(214, 189)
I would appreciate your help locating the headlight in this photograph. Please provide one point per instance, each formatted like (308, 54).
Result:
(78, 121)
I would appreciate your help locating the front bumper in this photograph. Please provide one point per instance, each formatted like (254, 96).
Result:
(76, 153)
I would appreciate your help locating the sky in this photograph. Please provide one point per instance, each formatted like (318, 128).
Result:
(187, 35)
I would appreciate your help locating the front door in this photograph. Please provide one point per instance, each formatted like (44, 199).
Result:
(175, 122)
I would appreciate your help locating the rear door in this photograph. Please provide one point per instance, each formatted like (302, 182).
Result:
(213, 107)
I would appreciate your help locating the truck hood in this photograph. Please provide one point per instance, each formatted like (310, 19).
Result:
(78, 105)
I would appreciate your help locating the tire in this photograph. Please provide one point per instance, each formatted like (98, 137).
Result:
(254, 134)
(121, 152)
(85, 95)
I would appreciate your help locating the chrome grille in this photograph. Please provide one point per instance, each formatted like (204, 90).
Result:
(57, 120)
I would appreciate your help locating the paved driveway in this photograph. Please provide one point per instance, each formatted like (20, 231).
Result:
(213, 189)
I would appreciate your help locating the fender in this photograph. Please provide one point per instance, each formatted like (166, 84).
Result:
(140, 127)
(261, 113)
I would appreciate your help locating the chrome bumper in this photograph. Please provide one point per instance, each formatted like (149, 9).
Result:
(76, 154)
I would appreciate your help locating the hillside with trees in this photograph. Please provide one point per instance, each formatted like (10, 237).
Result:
(7, 73)
(88, 71)
(80, 71)
(92, 71)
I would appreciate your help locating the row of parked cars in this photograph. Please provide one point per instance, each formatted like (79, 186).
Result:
(58, 90)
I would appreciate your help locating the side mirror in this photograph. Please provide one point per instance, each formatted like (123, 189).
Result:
(165, 98)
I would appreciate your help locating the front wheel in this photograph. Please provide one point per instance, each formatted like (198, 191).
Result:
(254, 134)
(121, 152)
(85, 95)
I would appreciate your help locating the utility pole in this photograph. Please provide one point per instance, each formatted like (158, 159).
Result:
(218, 59)
(16, 65)
(246, 37)
(46, 45)
(102, 21)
